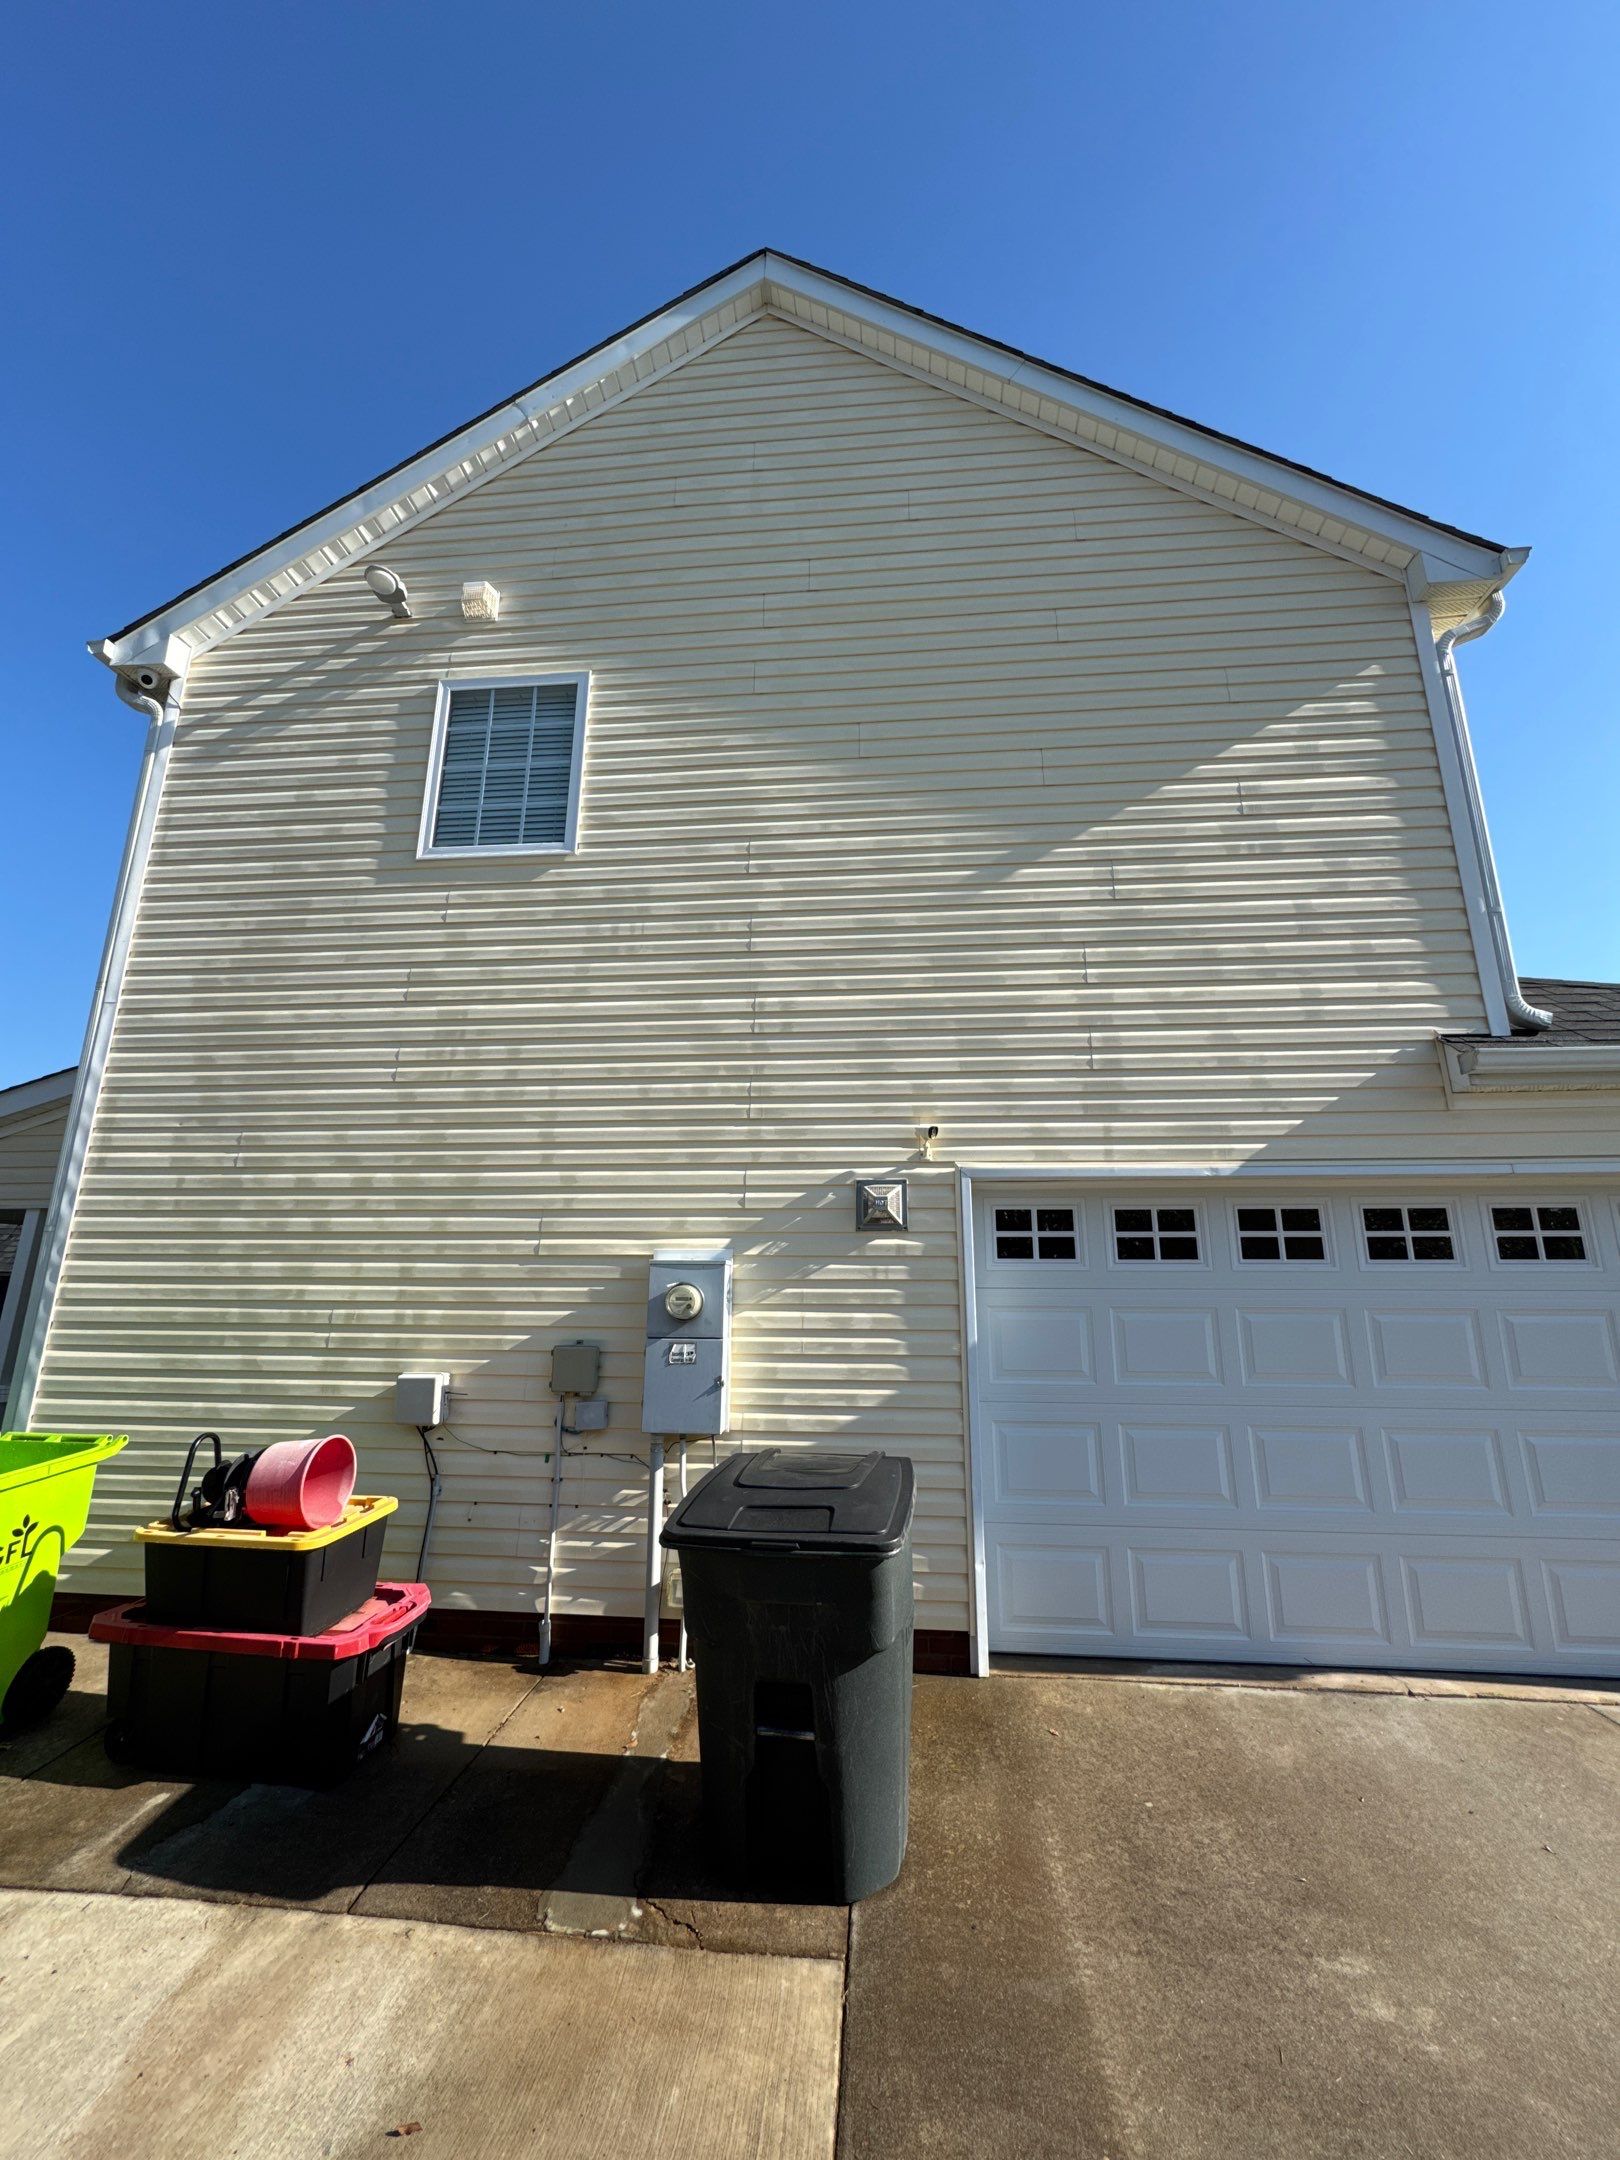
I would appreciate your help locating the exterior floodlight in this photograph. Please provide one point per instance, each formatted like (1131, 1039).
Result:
(390, 590)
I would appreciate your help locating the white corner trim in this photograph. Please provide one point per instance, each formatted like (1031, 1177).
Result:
(1460, 785)
(1530, 1067)
(978, 1581)
(93, 1061)
(425, 849)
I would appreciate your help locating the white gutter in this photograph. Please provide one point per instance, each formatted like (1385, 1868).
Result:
(154, 691)
(1519, 1009)
(1509, 1068)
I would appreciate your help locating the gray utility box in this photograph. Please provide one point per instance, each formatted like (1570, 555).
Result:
(796, 1580)
(686, 1386)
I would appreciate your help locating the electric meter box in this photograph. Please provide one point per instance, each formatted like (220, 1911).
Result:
(687, 1380)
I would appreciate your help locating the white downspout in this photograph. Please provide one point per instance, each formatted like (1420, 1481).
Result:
(1519, 1009)
(160, 717)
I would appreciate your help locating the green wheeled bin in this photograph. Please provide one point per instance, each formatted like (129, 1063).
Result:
(45, 1481)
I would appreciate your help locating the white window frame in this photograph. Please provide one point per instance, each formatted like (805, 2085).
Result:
(568, 845)
(1200, 1233)
(1324, 1217)
(1456, 1215)
(1550, 1268)
(1072, 1208)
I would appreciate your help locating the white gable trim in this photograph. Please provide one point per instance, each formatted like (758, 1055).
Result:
(31, 1095)
(1182, 456)
(349, 532)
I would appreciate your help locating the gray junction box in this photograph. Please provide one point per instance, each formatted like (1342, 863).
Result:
(686, 1385)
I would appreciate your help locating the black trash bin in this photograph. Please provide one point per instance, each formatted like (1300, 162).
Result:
(796, 1577)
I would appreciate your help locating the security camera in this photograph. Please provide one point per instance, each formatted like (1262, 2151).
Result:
(146, 679)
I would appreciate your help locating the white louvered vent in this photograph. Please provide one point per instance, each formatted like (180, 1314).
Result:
(506, 776)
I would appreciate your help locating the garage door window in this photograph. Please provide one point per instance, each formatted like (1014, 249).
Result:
(1408, 1233)
(1538, 1233)
(1042, 1233)
(1155, 1233)
(1281, 1233)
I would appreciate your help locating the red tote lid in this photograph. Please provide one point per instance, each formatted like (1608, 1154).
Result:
(393, 1609)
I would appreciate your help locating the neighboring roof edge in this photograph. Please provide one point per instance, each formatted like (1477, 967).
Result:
(26, 1095)
(1583, 1011)
(1237, 474)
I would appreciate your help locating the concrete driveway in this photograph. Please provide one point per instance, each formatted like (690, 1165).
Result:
(1139, 1919)
(1162, 1922)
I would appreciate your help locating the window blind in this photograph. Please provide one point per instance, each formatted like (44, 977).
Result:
(508, 754)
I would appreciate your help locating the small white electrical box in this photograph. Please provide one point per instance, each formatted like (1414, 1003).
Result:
(422, 1398)
(480, 601)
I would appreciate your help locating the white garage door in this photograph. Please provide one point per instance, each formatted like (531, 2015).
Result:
(1351, 1427)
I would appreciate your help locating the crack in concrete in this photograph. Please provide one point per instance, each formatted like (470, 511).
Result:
(669, 1919)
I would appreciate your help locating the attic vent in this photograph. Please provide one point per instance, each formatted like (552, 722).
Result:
(506, 767)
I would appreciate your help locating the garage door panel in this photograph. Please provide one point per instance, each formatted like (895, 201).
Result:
(1286, 1347)
(1319, 1598)
(1433, 1349)
(1040, 1343)
(1583, 1600)
(1466, 1601)
(1179, 1466)
(1447, 1473)
(1166, 1348)
(1299, 1470)
(1058, 1463)
(1573, 1474)
(1190, 1593)
(1562, 1350)
(1354, 1459)
(1047, 1593)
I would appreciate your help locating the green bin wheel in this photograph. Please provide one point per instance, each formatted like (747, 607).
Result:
(41, 1682)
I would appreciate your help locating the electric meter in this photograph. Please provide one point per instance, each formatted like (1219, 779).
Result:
(683, 1301)
(686, 1380)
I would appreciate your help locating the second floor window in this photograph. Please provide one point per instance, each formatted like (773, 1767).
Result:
(507, 759)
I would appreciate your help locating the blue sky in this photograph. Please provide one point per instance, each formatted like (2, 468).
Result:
(263, 253)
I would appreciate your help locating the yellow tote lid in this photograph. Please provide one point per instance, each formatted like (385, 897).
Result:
(363, 1508)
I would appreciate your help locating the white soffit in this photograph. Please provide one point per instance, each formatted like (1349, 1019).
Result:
(1394, 542)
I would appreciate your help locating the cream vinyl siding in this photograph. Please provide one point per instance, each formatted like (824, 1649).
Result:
(29, 1145)
(938, 771)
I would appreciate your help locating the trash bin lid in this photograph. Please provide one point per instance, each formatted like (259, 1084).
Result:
(813, 1500)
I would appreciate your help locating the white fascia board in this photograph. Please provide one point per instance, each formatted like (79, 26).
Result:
(346, 533)
(1530, 1068)
(428, 470)
(38, 1094)
(1452, 559)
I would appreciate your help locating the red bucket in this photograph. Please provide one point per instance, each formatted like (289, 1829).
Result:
(301, 1484)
